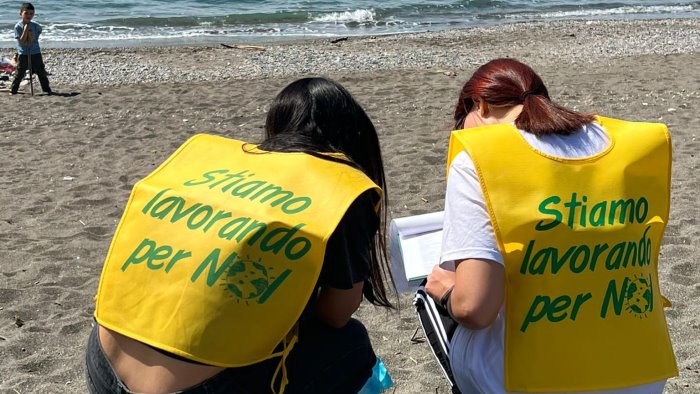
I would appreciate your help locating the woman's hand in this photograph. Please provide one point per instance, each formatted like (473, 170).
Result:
(440, 281)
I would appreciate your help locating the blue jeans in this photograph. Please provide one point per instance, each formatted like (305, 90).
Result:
(325, 360)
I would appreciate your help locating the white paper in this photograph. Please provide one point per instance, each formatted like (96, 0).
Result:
(418, 224)
(415, 244)
(421, 253)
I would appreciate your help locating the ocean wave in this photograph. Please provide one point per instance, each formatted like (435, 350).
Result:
(129, 34)
(625, 10)
(67, 25)
(248, 19)
(357, 16)
(81, 28)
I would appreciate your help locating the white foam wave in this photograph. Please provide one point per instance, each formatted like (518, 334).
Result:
(104, 34)
(356, 16)
(67, 25)
(627, 10)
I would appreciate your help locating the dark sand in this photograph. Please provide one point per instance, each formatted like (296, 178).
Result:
(68, 164)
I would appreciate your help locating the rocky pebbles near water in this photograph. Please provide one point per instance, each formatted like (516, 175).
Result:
(575, 41)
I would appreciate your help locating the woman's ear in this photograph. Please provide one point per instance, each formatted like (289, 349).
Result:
(481, 106)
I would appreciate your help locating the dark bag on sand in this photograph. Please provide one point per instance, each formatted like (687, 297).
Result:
(438, 327)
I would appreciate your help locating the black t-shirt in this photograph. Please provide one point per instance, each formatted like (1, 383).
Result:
(347, 257)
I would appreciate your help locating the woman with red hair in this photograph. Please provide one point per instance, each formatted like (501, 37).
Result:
(553, 225)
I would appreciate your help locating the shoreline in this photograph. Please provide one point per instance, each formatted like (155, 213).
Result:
(356, 33)
(541, 42)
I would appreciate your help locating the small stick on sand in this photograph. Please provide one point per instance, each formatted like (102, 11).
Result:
(255, 47)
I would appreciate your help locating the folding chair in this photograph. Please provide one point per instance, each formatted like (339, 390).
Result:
(438, 327)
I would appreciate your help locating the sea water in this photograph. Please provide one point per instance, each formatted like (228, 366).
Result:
(85, 23)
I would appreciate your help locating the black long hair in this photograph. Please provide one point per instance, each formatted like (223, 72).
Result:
(317, 116)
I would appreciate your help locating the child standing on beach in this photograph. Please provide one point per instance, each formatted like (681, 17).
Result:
(27, 36)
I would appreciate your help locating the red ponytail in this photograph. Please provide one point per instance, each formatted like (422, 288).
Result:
(510, 82)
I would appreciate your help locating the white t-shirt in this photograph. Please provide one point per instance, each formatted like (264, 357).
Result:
(477, 355)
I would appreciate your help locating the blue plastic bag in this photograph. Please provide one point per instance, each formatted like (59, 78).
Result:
(379, 381)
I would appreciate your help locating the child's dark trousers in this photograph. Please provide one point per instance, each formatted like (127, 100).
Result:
(37, 68)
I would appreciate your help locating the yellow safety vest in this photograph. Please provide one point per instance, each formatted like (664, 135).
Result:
(580, 239)
(220, 248)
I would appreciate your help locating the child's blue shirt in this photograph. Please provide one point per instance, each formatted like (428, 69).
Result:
(33, 48)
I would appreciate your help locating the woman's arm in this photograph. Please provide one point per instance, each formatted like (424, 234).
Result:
(479, 292)
(346, 266)
(336, 306)
(470, 242)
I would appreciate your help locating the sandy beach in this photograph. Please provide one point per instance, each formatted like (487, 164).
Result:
(69, 161)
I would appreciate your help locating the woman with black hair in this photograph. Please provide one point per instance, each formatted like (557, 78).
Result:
(236, 268)
(552, 230)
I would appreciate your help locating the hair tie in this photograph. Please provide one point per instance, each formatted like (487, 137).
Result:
(526, 93)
